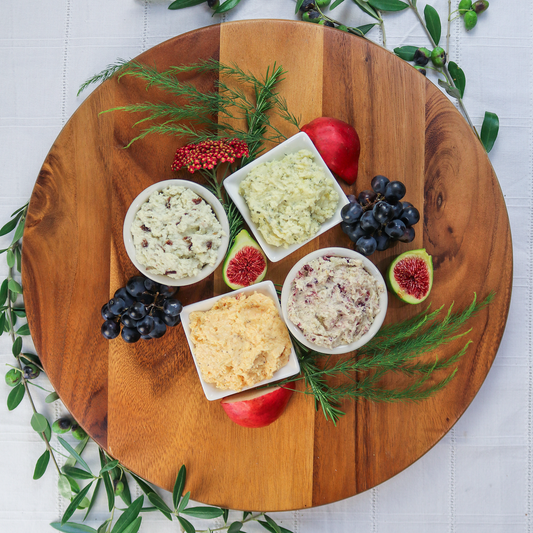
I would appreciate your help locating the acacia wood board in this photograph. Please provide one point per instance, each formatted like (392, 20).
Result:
(144, 402)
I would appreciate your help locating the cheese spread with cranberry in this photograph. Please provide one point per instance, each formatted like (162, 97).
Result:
(334, 300)
(176, 233)
(240, 341)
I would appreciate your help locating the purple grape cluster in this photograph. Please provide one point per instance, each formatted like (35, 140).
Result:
(377, 218)
(144, 309)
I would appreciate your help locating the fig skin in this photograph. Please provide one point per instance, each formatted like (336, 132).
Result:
(338, 144)
(401, 292)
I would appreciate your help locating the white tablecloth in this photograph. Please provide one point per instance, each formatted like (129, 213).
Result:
(479, 478)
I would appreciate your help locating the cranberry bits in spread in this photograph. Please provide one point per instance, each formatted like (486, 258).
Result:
(334, 300)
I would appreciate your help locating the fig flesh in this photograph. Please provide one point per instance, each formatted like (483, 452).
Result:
(245, 263)
(338, 144)
(410, 276)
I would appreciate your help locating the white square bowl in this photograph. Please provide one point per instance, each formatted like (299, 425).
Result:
(265, 287)
(300, 141)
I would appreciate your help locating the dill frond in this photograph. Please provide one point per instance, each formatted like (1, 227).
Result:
(108, 72)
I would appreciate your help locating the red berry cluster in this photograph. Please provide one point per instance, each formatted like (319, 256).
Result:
(207, 154)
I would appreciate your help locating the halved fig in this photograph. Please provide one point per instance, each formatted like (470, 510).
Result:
(245, 263)
(410, 276)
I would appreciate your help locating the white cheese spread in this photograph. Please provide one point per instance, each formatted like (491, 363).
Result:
(176, 233)
(334, 300)
(289, 198)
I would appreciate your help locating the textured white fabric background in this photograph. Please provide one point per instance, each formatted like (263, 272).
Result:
(479, 478)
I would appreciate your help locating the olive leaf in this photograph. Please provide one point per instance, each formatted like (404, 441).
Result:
(47, 433)
(458, 76)
(299, 5)
(388, 5)
(364, 29)
(30, 358)
(75, 502)
(14, 286)
(3, 292)
(433, 22)
(52, 397)
(39, 422)
(235, 527)
(23, 330)
(72, 527)
(143, 485)
(17, 346)
(15, 396)
(71, 461)
(93, 497)
(406, 52)
(178, 486)
(74, 454)
(10, 226)
(180, 4)
(186, 525)
(107, 482)
(76, 473)
(225, 515)
(109, 466)
(245, 514)
(18, 255)
(489, 130)
(10, 258)
(273, 527)
(128, 516)
(184, 502)
(64, 487)
(367, 8)
(452, 91)
(42, 465)
(334, 5)
(226, 6)
(204, 512)
(20, 230)
(134, 526)
(160, 504)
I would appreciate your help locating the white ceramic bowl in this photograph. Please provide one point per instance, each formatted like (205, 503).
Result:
(339, 252)
(300, 141)
(210, 198)
(265, 287)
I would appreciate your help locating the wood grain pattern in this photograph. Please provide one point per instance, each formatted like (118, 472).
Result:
(144, 402)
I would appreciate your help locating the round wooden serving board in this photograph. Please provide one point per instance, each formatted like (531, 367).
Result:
(144, 402)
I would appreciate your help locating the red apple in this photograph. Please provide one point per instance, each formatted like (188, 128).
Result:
(257, 408)
(338, 144)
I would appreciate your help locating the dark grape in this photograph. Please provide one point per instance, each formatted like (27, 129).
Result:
(128, 321)
(405, 205)
(145, 325)
(351, 198)
(356, 232)
(382, 212)
(351, 213)
(135, 285)
(110, 329)
(366, 245)
(408, 235)
(410, 216)
(167, 290)
(146, 298)
(368, 222)
(171, 320)
(106, 313)
(116, 305)
(395, 191)
(383, 242)
(159, 330)
(397, 210)
(395, 229)
(172, 307)
(130, 335)
(366, 197)
(146, 337)
(345, 227)
(137, 311)
(379, 183)
(125, 295)
(151, 286)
